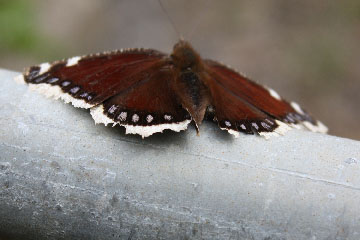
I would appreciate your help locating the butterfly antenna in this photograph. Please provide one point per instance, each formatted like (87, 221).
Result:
(170, 20)
(197, 23)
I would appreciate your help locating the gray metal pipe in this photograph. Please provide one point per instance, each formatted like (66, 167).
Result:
(62, 177)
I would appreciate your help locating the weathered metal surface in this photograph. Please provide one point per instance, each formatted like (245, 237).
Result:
(62, 177)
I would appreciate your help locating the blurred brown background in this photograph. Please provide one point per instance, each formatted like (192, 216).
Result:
(307, 50)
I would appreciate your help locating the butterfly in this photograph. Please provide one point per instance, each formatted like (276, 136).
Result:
(147, 91)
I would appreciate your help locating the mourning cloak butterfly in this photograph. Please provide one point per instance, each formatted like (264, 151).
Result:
(147, 91)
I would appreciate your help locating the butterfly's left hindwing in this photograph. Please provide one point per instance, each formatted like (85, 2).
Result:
(147, 108)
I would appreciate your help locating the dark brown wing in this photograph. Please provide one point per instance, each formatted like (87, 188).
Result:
(236, 115)
(243, 100)
(129, 88)
(149, 106)
(92, 79)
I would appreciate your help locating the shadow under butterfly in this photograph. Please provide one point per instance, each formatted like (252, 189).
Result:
(147, 91)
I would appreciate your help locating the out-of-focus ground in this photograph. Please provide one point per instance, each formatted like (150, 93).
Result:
(309, 51)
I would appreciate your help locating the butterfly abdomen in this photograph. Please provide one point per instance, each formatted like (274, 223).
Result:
(189, 85)
(193, 86)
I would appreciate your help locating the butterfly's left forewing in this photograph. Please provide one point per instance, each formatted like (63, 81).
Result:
(89, 80)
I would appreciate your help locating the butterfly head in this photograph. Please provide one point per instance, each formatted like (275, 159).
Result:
(185, 57)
